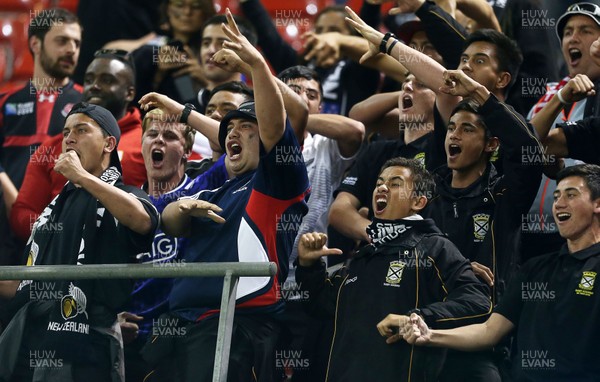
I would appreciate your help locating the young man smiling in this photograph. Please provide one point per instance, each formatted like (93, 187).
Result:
(408, 266)
(552, 304)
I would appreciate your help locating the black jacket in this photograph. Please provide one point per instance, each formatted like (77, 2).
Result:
(419, 269)
(484, 220)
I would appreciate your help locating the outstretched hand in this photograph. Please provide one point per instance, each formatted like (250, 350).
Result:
(457, 83)
(201, 209)
(324, 48)
(416, 331)
(239, 43)
(311, 247)
(370, 34)
(228, 60)
(155, 100)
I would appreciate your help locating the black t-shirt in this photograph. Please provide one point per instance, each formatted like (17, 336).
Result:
(555, 304)
(582, 139)
(362, 178)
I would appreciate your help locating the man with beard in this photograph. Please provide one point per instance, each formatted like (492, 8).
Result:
(109, 82)
(36, 111)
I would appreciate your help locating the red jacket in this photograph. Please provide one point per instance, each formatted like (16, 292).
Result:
(41, 183)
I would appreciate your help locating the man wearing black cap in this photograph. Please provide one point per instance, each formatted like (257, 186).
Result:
(576, 30)
(95, 219)
(263, 198)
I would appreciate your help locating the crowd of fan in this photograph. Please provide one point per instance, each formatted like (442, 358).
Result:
(429, 190)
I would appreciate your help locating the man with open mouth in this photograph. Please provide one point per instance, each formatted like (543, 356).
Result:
(576, 30)
(550, 293)
(407, 255)
(238, 222)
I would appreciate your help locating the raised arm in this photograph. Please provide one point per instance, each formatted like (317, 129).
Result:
(425, 69)
(379, 113)
(270, 112)
(126, 208)
(575, 90)
(199, 122)
(295, 107)
(347, 132)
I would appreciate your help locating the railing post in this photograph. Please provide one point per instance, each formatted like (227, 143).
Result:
(225, 327)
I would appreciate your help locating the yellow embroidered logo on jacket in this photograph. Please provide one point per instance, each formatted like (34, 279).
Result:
(586, 284)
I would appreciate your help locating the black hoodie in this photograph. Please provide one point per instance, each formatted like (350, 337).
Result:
(417, 269)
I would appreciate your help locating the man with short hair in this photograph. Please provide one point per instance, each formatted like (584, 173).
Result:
(37, 111)
(109, 82)
(409, 266)
(262, 191)
(552, 303)
(95, 219)
(577, 28)
(166, 147)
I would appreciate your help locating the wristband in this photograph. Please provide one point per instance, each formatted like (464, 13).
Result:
(560, 98)
(188, 107)
(384, 41)
(389, 50)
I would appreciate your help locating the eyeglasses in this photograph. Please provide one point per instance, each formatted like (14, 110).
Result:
(585, 7)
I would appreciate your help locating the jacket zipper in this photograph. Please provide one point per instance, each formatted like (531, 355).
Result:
(455, 210)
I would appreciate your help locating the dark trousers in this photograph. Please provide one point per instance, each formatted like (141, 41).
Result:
(188, 353)
(470, 367)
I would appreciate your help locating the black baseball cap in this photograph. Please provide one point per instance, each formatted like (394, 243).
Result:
(246, 110)
(591, 10)
(106, 121)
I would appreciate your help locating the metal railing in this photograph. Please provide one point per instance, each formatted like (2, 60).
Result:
(230, 271)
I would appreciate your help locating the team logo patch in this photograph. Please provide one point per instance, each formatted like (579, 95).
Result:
(481, 223)
(421, 158)
(394, 273)
(74, 303)
(586, 284)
